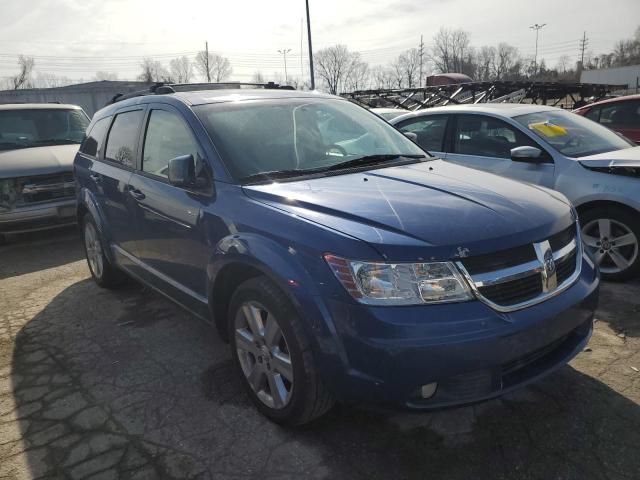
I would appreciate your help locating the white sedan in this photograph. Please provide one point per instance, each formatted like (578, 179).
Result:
(597, 169)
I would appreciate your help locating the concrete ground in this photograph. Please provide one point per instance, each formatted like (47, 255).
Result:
(100, 384)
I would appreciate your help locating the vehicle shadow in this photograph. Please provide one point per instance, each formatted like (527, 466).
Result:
(32, 252)
(622, 307)
(123, 384)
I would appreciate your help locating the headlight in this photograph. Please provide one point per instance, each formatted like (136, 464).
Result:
(377, 283)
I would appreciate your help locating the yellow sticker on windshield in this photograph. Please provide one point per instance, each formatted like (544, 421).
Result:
(548, 129)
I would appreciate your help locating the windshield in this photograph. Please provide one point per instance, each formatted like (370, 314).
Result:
(298, 135)
(392, 114)
(571, 134)
(24, 128)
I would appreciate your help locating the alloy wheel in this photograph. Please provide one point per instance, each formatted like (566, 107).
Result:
(264, 355)
(94, 249)
(612, 243)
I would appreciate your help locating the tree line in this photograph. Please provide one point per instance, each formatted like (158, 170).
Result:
(339, 69)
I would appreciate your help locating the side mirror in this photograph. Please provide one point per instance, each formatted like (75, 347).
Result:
(411, 136)
(182, 171)
(527, 154)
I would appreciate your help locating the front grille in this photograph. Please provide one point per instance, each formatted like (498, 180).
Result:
(562, 238)
(46, 188)
(514, 292)
(499, 260)
(566, 267)
(514, 278)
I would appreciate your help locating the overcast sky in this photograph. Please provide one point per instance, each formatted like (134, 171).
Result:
(76, 38)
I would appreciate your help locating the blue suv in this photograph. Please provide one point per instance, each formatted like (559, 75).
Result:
(339, 260)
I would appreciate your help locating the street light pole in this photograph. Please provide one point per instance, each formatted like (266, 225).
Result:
(313, 81)
(284, 52)
(537, 28)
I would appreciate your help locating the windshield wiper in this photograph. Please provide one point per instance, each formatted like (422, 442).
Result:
(371, 160)
(279, 174)
(56, 141)
(356, 162)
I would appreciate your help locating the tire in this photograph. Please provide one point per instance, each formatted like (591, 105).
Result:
(261, 359)
(613, 237)
(103, 272)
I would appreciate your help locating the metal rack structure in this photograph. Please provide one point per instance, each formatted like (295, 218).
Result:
(566, 95)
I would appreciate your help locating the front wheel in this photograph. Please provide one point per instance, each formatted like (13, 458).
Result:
(273, 354)
(613, 237)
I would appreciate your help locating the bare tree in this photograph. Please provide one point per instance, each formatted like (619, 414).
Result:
(382, 77)
(507, 57)
(50, 80)
(486, 61)
(258, 77)
(181, 69)
(213, 67)
(564, 62)
(408, 66)
(451, 51)
(23, 78)
(397, 73)
(358, 75)
(153, 71)
(334, 65)
(102, 75)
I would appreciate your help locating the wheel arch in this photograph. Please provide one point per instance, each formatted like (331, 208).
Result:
(241, 257)
(593, 204)
(88, 204)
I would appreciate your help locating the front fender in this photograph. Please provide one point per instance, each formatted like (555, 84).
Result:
(288, 268)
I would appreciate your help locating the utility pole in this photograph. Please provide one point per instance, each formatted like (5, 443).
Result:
(284, 52)
(583, 46)
(313, 81)
(537, 28)
(206, 61)
(421, 51)
(301, 48)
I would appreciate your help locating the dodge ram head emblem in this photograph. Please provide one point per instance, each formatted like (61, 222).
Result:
(549, 262)
(545, 257)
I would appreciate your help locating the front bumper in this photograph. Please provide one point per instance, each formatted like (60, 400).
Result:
(471, 351)
(39, 216)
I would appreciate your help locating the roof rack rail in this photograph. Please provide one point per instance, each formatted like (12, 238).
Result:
(162, 88)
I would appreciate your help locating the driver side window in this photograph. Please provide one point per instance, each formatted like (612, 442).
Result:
(487, 137)
(167, 137)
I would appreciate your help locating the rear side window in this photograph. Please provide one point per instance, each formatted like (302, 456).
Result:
(123, 138)
(487, 137)
(593, 114)
(430, 131)
(621, 115)
(167, 137)
(95, 137)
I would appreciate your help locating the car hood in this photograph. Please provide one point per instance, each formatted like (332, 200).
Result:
(433, 210)
(627, 157)
(37, 160)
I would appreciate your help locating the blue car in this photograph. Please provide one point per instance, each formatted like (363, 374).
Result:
(339, 260)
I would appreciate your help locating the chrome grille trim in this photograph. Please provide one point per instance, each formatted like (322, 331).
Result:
(534, 267)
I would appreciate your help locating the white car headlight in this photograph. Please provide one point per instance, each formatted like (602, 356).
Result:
(378, 283)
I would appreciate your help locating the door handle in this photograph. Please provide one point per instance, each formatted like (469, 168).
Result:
(137, 194)
(96, 177)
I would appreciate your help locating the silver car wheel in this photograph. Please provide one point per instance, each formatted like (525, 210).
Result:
(264, 355)
(612, 243)
(94, 249)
